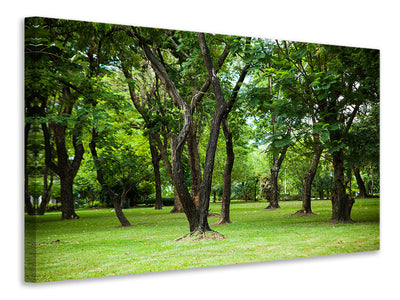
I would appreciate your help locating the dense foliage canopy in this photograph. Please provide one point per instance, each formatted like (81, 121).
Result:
(123, 116)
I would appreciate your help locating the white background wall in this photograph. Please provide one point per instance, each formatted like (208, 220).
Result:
(372, 24)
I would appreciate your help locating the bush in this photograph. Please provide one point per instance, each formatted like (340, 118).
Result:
(53, 207)
(244, 190)
(289, 197)
(94, 204)
(166, 201)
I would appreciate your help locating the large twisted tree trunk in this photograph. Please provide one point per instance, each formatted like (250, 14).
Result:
(341, 202)
(65, 168)
(197, 216)
(194, 161)
(221, 111)
(180, 185)
(67, 198)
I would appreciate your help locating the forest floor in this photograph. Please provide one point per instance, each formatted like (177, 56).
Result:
(95, 246)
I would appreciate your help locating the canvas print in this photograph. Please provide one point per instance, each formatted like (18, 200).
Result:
(152, 149)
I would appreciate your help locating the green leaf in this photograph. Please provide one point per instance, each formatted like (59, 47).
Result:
(324, 136)
(333, 127)
(282, 142)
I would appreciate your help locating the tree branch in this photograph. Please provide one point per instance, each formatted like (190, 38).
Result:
(49, 150)
(350, 121)
(199, 96)
(237, 87)
(212, 74)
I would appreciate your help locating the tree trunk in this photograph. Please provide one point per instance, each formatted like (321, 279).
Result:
(66, 171)
(28, 205)
(220, 112)
(155, 159)
(178, 207)
(308, 179)
(67, 198)
(118, 208)
(180, 184)
(177, 143)
(46, 192)
(372, 182)
(194, 161)
(274, 202)
(162, 147)
(226, 193)
(197, 217)
(65, 168)
(124, 193)
(341, 203)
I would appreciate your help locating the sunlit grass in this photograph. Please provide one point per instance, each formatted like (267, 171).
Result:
(95, 246)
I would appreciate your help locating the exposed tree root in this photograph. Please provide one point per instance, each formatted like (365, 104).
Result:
(210, 214)
(125, 226)
(71, 217)
(271, 208)
(198, 235)
(176, 210)
(223, 222)
(304, 213)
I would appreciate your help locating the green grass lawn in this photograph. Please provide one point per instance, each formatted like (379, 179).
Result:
(94, 246)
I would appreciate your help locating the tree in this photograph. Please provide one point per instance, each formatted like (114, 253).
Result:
(145, 106)
(358, 86)
(362, 149)
(333, 83)
(152, 103)
(220, 116)
(111, 165)
(230, 155)
(44, 60)
(276, 113)
(196, 215)
(300, 97)
(66, 168)
(114, 138)
(277, 133)
(310, 175)
(177, 143)
(64, 64)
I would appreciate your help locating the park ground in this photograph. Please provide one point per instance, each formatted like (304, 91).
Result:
(95, 246)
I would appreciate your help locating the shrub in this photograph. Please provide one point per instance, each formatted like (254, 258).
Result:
(166, 201)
